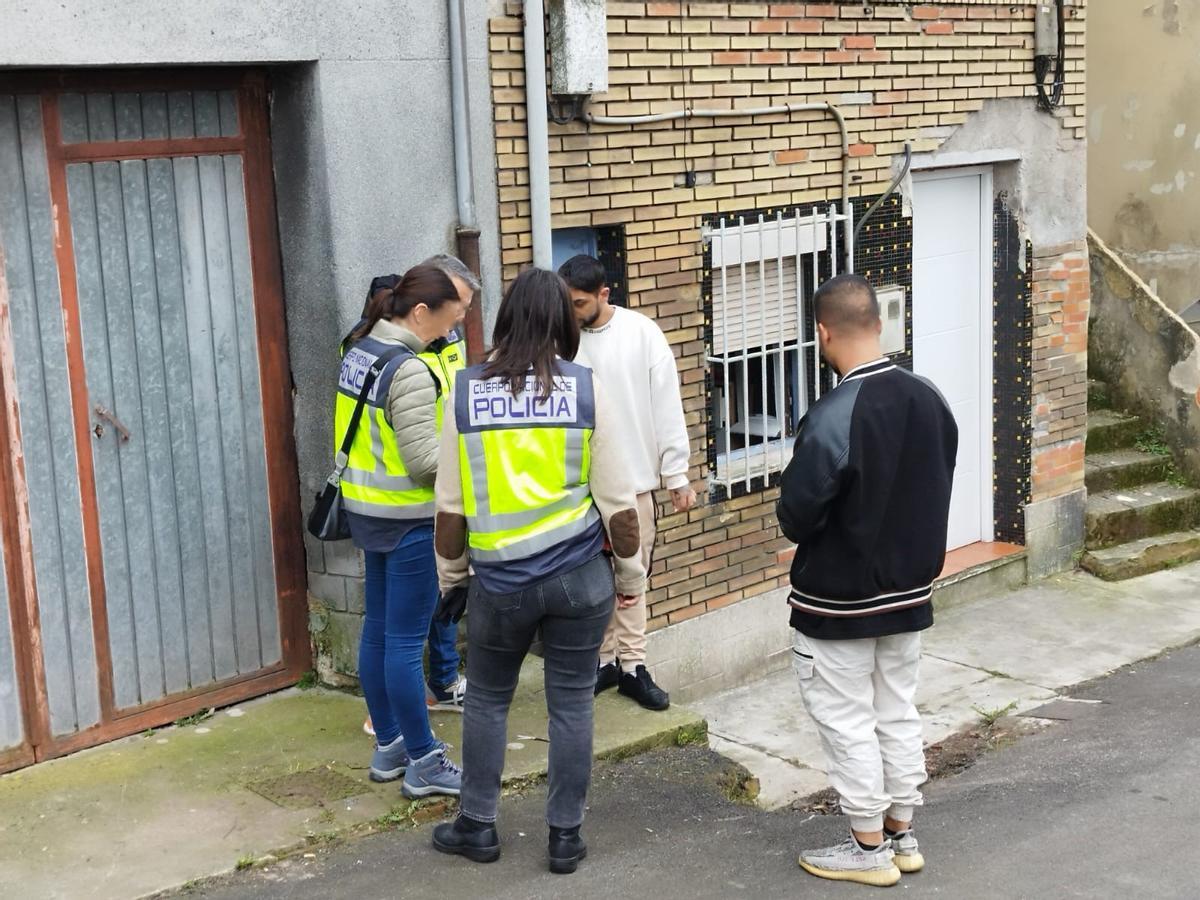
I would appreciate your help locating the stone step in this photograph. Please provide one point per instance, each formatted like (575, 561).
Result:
(1129, 514)
(987, 579)
(1098, 396)
(1124, 468)
(1141, 557)
(1108, 430)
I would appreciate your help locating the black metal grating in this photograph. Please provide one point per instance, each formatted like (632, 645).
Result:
(610, 250)
(1012, 373)
(883, 255)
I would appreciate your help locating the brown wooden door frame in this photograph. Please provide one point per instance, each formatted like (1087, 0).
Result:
(253, 144)
(18, 558)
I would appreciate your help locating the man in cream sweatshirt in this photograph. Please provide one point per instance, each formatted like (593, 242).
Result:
(635, 364)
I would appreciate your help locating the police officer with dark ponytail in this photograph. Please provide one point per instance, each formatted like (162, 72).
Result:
(530, 478)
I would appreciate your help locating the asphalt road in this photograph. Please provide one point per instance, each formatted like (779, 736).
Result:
(1102, 803)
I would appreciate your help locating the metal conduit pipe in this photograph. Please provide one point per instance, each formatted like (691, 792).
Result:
(891, 190)
(467, 233)
(464, 186)
(536, 123)
(739, 114)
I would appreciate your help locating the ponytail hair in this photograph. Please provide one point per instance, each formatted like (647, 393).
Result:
(420, 284)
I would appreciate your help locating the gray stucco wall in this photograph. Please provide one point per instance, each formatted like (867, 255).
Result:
(1037, 162)
(1144, 139)
(363, 153)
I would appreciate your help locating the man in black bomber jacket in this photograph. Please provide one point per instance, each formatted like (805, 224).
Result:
(866, 498)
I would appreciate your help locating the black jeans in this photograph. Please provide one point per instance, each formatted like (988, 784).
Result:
(572, 611)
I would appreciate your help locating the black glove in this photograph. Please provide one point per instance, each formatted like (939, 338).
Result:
(452, 605)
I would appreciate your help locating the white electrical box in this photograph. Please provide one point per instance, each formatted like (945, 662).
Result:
(578, 47)
(892, 311)
(1045, 30)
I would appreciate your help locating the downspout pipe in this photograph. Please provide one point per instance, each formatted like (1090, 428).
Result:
(537, 125)
(739, 114)
(464, 186)
(467, 233)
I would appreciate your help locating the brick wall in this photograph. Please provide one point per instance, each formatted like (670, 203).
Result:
(898, 72)
(1061, 293)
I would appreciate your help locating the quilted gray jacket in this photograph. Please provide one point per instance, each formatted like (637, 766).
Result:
(412, 405)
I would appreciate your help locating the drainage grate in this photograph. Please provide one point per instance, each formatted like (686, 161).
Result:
(314, 787)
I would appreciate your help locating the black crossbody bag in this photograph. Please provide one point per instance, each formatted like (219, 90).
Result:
(327, 521)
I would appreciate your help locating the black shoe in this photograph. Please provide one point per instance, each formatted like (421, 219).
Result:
(607, 676)
(639, 686)
(477, 841)
(566, 850)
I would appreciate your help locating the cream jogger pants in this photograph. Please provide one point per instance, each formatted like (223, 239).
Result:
(625, 638)
(860, 695)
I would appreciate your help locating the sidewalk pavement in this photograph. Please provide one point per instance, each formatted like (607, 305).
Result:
(157, 810)
(1023, 648)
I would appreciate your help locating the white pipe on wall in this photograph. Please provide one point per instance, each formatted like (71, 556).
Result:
(536, 123)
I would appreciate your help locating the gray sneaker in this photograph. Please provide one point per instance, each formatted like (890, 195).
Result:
(908, 856)
(388, 763)
(433, 773)
(848, 861)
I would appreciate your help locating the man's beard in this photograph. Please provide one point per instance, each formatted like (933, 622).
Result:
(591, 320)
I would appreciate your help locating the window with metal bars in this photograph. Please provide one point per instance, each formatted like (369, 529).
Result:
(764, 363)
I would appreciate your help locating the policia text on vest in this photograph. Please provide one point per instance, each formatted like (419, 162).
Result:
(491, 404)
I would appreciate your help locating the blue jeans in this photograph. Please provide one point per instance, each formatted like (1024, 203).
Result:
(572, 610)
(443, 654)
(401, 595)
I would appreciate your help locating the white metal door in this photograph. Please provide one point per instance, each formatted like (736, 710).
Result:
(952, 332)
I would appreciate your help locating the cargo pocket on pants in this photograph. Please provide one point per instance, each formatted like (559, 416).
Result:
(802, 658)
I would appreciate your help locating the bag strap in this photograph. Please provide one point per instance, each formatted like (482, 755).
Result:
(377, 367)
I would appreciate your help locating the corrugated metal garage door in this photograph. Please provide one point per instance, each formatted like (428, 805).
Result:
(148, 365)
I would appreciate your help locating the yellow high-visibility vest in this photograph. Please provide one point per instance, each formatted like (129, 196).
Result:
(524, 463)
(446, 358)
(375, 481)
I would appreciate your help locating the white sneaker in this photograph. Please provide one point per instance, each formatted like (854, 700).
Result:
(908, 857)
(447, 699)
(848, 861)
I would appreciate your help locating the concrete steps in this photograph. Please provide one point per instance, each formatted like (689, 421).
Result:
(1140, 557)
(1140, 518)
(1132, 513)
(1109, 430)
(1123, 468)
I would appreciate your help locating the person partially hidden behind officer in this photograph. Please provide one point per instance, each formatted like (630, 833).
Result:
(866, 499)
(531, 476)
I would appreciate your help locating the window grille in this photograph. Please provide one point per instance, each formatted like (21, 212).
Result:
(763, 352)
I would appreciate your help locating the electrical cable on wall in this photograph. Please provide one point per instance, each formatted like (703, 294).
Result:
(1050, 50)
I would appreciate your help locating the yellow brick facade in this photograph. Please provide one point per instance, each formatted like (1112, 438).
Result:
(898, 72)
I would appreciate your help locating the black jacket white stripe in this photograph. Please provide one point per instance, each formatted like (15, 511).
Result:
(866, 498)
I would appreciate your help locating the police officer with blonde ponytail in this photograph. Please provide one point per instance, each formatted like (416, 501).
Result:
(387, 492)
(530, 478)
